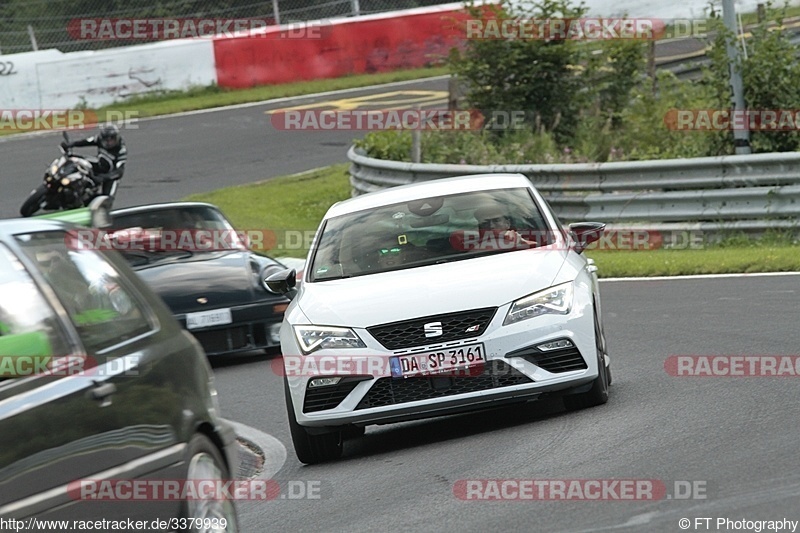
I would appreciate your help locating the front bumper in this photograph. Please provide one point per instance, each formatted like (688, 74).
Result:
(514, 371)
(254, 326)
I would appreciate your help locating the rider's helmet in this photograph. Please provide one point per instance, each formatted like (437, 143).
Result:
(109, 136)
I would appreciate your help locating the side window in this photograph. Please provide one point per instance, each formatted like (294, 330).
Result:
(101, 306)
(30, 332)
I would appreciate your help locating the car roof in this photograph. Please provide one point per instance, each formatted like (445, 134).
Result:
(14, 226)
(427, 189)
(156, 207)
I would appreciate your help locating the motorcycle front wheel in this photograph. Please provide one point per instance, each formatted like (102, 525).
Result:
(34, 202)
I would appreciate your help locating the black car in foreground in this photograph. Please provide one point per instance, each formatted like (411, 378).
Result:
(99, 384)
(205, 271)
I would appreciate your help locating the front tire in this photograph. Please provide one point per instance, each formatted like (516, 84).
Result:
(206, 463)
(34, 202)
(311, 449)
(598, 393)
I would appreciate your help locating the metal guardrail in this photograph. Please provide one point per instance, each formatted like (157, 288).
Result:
(748, 193)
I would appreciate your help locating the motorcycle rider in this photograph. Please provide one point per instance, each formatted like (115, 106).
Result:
(111, 157)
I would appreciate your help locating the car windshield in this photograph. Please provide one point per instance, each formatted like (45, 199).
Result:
(176, 218)
(89, 287)
(428, 231)
(145, 236)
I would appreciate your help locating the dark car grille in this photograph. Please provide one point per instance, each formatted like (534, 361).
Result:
(393, 391)
(555, 361)
(321, 398)
(410, 333)
(230, 339)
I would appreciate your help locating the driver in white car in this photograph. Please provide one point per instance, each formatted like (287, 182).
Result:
(494, 218)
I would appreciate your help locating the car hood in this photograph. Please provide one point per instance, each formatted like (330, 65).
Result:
(222, 280)
(488, 281)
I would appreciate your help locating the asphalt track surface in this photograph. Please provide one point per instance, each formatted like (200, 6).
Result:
(172, 157)
(735, 438)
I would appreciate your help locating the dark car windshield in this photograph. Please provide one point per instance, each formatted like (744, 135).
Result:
(146, 236)
(194, 217)
(428, 231)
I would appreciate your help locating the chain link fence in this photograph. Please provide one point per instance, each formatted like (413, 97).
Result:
(28, 25)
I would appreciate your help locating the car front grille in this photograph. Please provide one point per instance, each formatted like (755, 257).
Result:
(454, 326)
(555, 361)
(392, 391)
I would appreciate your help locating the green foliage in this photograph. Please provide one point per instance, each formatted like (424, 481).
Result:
(533, 75)
(646, 135)
(391, 145)
(593, 102)
(770, 75)
(515, 147)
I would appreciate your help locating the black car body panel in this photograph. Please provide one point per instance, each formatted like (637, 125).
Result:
(127, 410)
(197, 281)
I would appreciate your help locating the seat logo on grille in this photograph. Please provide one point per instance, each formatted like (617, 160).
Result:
(433, 329)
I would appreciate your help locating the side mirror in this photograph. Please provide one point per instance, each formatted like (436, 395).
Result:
(100, 210)
(282, 282)
(585, 233)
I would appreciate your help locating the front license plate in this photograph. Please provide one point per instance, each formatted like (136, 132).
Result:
(450, 361)
(204, 319)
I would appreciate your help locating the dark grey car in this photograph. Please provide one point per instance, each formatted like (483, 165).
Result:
(99, 382)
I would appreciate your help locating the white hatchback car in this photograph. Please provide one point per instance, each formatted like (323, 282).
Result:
(437, 298)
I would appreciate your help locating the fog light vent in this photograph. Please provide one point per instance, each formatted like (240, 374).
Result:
(560, 344)
(323, 382)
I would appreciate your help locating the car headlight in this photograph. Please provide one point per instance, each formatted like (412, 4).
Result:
(556, 300)
(312, 338)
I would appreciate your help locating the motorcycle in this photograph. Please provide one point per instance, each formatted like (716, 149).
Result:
(68, 184)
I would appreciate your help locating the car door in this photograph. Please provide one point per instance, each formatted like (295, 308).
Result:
(114, 419)
(43, 414)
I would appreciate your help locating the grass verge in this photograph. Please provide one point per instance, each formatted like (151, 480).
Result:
(728, 260)
(289, 209)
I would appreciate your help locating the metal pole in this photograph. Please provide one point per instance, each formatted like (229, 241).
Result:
(741, 36)
(33, 38)
(651, 65)
(276, 12)
(741, 137)
(416, 142)
(356, 7)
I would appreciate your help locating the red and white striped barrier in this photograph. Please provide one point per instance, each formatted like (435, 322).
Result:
(272, 55)
(373, 43)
